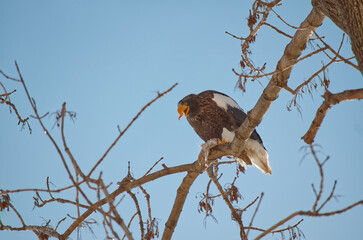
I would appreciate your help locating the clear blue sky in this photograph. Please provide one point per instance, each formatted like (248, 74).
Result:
(106, 59)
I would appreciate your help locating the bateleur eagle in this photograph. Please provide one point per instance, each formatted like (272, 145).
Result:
(214, 115)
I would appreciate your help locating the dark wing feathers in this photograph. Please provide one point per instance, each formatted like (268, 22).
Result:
(236, 116)
(210, 119)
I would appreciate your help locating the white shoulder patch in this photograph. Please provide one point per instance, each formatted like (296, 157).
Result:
(223, 101)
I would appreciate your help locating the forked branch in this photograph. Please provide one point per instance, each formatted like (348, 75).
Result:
(329, 101)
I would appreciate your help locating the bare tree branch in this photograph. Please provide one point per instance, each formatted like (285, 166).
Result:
(307, 213)
(329, 101)
(292, 52)
(127, 186)
(347, 15)
(179, 201)
(236, 216)
(129, 125)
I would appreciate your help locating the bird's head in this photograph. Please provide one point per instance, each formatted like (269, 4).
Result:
(187, 106)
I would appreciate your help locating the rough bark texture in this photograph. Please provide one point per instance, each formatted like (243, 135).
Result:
(348, 16)
(284, 67)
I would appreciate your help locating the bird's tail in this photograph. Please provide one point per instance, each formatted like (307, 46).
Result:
(258, 155)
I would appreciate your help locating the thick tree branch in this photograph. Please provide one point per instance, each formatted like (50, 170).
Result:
(329, 101)
(292, 52)
(348, 16)
(180, 198)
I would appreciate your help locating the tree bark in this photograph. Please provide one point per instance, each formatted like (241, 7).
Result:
(283, 69)
(348, 16)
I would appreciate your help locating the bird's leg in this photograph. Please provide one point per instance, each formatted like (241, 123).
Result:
(205, 149)
(222, 141)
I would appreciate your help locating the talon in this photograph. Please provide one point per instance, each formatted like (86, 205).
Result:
(222, 141)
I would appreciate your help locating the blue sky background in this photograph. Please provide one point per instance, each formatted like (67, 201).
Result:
(107, 59)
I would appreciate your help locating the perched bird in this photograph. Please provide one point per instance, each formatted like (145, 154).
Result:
(214, 115)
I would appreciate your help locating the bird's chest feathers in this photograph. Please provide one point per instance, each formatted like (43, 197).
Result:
(212, 122)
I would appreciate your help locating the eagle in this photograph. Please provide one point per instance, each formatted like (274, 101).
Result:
(215, 115)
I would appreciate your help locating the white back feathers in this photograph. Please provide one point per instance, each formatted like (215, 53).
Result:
(223, 101)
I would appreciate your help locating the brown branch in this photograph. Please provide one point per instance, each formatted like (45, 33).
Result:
(296, 91)
(109, 224)
(3, 192)
(292, 52)
(128, 186)
(298, 88)
(277, 30)
(307, 213)
(63, 219)
(61, 200)
(32, 103)
(318, 195)
(296, 28)
(278, 71)
(250, 204)
(328, 198)
(117, 217)
(147, 197)
(236, 216)
(16, 112)
(276, 231)
(234, 36)
(66, 148)
(346, 60)
(10, 78)
(6, 94)
(46, 230)
(256, 210)
(253, 32)
(138, 211)
(129, 224)
(153, 166)
(179, 201)
(329, 101)
(17, 214)
(129, 125)
(347, 15)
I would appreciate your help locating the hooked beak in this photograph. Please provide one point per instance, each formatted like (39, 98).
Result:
(183, 109)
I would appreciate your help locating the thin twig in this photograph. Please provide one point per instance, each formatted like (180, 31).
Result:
(307, 213)
(3, 192)
(328, 198)
(10, 78)
(337, 53)
(32, 103)
(129, 125)
(254, 214)
(277, 30)
(296, 28)
(236, 216)
(153, 166)
(141, 223)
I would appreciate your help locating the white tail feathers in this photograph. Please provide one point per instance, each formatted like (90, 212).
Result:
(258, 156)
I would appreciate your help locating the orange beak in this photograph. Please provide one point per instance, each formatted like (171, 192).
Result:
(183, 109)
